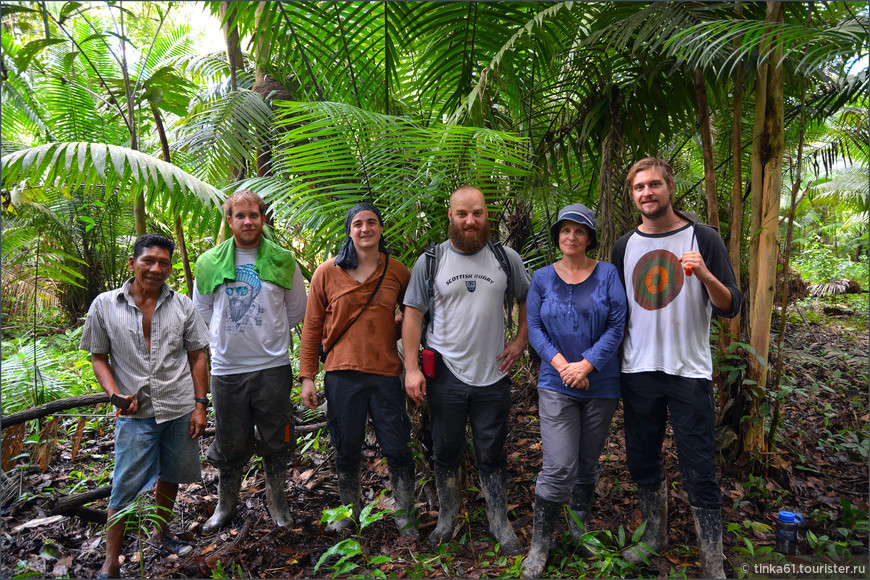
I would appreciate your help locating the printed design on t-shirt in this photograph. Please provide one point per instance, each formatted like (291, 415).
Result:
(470, 280)
(657, 279)
(244, 311)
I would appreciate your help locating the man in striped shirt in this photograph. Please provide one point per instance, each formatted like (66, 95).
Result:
(146, 343)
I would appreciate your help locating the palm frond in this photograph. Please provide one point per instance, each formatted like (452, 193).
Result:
(80, 163)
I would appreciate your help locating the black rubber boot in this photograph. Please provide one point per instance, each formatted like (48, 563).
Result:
(708, 526)
(654, 508)
(275, 467)
(402, 479)
(546, 513)
(447, 485)
(229, 484)
(494, 486)
(581, 504)
(350, 492)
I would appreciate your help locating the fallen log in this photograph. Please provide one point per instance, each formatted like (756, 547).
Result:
(52, 407)
(70, 504)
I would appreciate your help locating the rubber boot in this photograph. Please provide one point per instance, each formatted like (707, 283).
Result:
(229, 484)
(494, 486)
(402, 479)
(581, 504)
(708, 526)
(654, 508)
(447, 485)
(350, 493)
(275, 467)
(546, 512)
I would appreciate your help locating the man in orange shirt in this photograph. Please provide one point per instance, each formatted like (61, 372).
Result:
(351, 319)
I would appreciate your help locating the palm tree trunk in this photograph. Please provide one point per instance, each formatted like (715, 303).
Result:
(767, 152)
(139, 215)
(179, 231)
(736, 224)
(707, 148)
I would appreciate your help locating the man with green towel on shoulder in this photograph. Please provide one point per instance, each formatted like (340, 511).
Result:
(250, 293)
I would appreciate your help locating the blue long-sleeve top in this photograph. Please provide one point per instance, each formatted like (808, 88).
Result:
(581, 321)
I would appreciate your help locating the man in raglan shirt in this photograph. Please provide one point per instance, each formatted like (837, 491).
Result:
(676, 274)
(251, 293)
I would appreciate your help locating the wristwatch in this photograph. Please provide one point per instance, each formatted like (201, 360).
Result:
(203, 400)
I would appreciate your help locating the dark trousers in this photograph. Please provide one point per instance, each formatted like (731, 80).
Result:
(244, 401)
(451, 404)
(647, 398)
(352, 396)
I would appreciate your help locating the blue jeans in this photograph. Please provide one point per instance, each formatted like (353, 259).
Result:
(352, 396)
(147, 451)
(451, 404)
(647, 398)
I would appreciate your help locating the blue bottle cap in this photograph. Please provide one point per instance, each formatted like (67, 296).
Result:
(789, 517)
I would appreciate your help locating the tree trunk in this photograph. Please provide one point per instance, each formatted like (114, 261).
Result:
(707, 149)
(262, 53)
(609, 178)
(235, 61)
(179, 231)
(139, 216)
(736, 225)
(231, 36)
(52, 407)
(767, 159)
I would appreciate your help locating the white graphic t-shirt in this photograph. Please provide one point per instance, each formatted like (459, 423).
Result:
(249, 320)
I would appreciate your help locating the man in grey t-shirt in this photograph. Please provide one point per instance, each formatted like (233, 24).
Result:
(467, 331)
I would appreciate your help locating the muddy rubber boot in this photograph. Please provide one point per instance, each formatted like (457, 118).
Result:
(402, 480)
(581, 504)
(229, 484)
(447, 485)
(708, 526)
(350, 493)
(275, 467)
(546, 513)
(654, 508)
(494, 486)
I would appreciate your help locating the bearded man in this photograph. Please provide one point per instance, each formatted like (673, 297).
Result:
(463, 292)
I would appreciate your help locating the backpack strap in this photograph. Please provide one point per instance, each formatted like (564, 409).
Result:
(433, 255)
(498, 249)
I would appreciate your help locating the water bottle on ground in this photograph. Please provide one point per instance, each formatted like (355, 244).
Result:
(787, 526)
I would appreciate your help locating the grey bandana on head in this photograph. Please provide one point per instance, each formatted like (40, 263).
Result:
(346, 258)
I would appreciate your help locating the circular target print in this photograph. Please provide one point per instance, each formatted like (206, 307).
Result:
(657, 279)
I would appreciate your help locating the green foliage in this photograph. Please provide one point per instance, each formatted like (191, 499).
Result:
(45, 369)
(349, 549)
(219, 572)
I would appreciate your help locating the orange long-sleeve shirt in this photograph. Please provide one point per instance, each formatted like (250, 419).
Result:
(334, 299)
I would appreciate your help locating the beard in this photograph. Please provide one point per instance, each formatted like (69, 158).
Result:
(468, 244)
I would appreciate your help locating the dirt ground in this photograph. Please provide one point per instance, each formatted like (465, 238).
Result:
(820, 470)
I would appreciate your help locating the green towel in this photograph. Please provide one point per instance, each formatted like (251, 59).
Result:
(274, 264)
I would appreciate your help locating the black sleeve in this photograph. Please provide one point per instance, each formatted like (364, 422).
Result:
(617, 256)
(716, 258)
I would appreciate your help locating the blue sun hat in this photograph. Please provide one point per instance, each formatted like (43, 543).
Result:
(579, 214)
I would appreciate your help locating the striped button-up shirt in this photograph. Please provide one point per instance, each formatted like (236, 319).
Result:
(161, 376)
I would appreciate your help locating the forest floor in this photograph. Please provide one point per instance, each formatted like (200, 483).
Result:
(820, 469)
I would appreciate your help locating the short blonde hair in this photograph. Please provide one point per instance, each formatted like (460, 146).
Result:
(244, 196)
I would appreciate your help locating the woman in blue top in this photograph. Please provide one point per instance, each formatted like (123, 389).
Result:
(576, 316)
